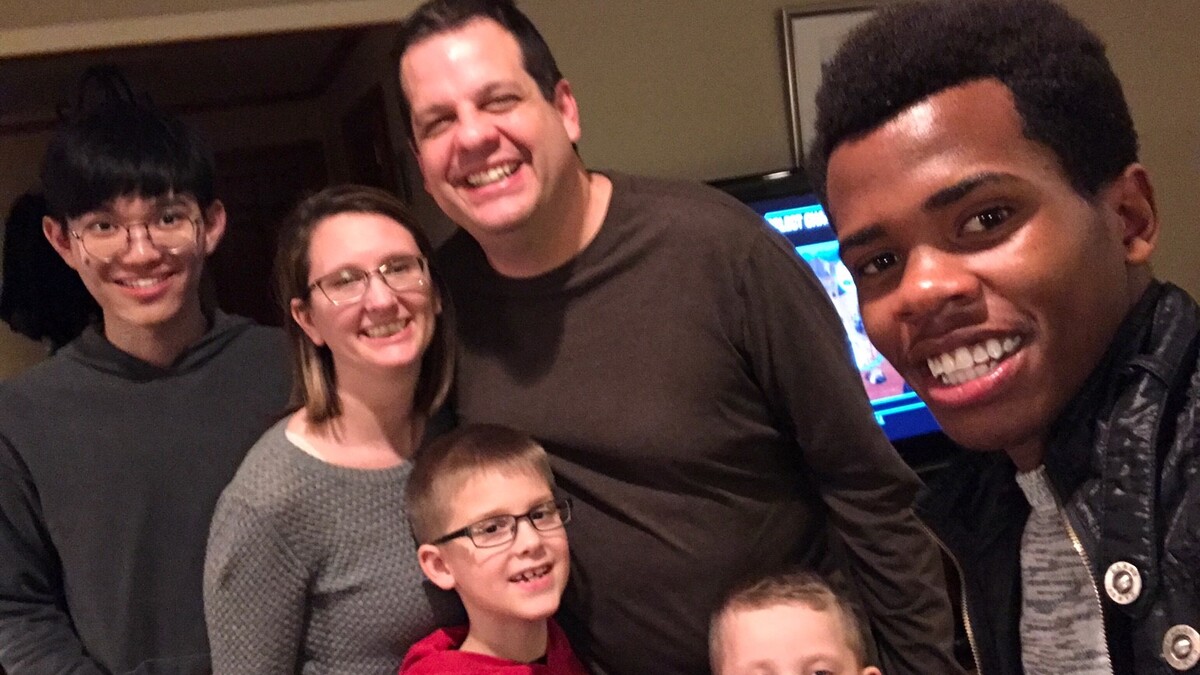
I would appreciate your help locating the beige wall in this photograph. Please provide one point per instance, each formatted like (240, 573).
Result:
(694, 88)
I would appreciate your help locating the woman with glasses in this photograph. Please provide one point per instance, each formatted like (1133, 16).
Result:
(311, 565)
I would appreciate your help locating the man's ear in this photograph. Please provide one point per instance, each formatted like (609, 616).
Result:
(429, 557)
(1131, 197)
(871, 670)
(56, 234)
(300, 314)
(568, 109)
(214, 226)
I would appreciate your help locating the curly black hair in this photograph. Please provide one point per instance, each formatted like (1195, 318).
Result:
(1066, 93)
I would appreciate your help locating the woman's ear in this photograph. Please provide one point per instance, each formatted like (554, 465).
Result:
(433, 564)
(301, 315)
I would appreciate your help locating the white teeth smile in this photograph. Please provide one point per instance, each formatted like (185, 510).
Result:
(530, 575)
(141, 283)
(968, 363)
(386, 329)
(492, 175)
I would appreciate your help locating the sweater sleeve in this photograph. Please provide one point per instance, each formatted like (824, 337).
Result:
(254, 593)
(798, 351)
(36, 633)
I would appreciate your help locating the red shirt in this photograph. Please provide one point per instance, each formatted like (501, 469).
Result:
(439, 653)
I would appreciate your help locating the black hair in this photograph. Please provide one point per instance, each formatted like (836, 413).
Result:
(123, 146)
(41, 297)
(441, 16)
(1065, 90)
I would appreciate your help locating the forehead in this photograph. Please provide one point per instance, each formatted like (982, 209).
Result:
(363, 238)
(786, 633)
(963, 131)
(482, 493)
(476, 54)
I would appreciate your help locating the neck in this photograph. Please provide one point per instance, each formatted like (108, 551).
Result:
(512, 639)
(1027, 456)
(376, 429)
(161, 344)
(566, 226)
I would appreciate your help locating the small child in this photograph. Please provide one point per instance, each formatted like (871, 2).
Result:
(482, 507)
(787, 623)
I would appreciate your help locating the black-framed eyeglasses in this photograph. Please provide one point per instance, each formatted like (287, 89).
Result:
(500, 530)
(347, 285)
(171, 230)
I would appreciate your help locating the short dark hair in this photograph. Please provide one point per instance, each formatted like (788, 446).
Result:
(1065, 90)
(314, 380)
(441, 16)
(792, 587)
(124, 147)
(441, 468)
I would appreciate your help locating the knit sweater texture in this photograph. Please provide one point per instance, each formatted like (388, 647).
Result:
(110, 468)
(312, 568)
(693, 386)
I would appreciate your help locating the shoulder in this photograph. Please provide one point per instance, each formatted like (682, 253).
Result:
(271, 479)
(696, 206)
(436, 653)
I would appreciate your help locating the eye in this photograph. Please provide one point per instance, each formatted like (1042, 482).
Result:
(878, 264)
(433, 126)
(501, 103)
(101, 228)
(170, 220)
(987, 220)
(490, 526)
(344, 278)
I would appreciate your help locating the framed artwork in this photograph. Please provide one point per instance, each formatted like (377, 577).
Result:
(810, 37)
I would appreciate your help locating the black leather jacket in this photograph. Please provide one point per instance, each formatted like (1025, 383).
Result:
(1125, 462)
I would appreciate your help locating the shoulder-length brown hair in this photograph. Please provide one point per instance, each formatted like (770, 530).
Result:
(314, 380)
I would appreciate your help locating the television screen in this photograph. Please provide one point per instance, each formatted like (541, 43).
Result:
(787, 204)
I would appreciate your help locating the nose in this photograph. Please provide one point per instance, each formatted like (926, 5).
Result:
(475, 130)
(526, 539)
(140, 246)
(934, 282)
(378, 294)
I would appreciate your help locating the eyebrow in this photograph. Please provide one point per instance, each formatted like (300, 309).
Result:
(939, 200)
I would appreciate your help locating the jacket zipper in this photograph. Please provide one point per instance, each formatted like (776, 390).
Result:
(1087, 566)
(962, 584)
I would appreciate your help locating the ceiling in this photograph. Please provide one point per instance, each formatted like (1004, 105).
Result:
(186, 76)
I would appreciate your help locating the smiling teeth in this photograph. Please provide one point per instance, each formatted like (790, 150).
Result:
(386, 329)
(141, 283)
(968, 363)
(530, 575)
(492, 175)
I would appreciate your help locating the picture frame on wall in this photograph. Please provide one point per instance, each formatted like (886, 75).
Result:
(811, 35)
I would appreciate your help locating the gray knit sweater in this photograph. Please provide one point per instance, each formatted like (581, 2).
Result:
(311, 568)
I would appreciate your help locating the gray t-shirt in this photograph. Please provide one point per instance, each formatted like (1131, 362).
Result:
(1062, 627)
(312, 568)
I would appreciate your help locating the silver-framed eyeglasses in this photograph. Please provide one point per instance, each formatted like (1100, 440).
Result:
(170, 230)
(500, 530)
(349, 284)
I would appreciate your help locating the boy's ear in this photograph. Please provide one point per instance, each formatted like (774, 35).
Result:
(214, 226)
(1131, 196)
(434, 566)
(56, 234)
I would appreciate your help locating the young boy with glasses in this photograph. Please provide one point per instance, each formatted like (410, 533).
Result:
(482, 505)
(114, 451)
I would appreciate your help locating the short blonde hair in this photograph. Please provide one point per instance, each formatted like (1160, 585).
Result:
(793, 587)
(441, 468)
